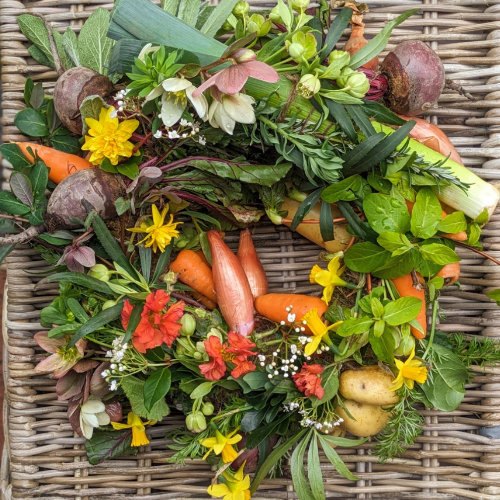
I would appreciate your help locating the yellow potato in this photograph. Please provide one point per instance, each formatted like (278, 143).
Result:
(368, 419)
(368, 384)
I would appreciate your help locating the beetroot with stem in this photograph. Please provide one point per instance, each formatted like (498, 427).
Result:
(415, 77)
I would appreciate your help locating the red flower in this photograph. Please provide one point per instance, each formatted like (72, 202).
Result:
(235, 351)
(308, 380)
(155, 327)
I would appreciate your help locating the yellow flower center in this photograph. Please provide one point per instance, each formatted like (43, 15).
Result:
(179, 97)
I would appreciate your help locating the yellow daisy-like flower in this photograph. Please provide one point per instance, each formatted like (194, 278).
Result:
(411, 371)
(236, 487)
(159, 235)
(109, 138)
(135, 423)
(222, 444)
(328, 279)
(319, 331)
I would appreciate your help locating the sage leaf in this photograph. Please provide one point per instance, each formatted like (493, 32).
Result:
(335, 460)
(34, 30)
(38, 55)
(91, 108)
(31, 122)
(156, 387)
(385, 213)
(21, 188)
(108, 444)
(297, 469)
(314, 470)
(189, 11)
(11, 205)
(94, 46)
(70, 44)
(402, 310)
(426, 214)
(365, 257)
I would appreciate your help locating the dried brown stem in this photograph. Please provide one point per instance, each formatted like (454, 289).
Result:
(19, 238)
(450, 84)
(480, 252)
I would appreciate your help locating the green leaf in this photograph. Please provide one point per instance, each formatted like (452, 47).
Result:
(385, 213)
(339, 114)
(251, 420)
(314, 470)
(133, 322)
(31, 122)
(339, 24)
(326, 222)
(81, 280)
(264, 175)
(134, 390)
(130, 168)
(217, 18)
(382, 114)
(347, 189)
(171, 6)
(355, 326)
(365, 257)
(39, 56)
(94, 46)
(474, 233)
(305, 207)
(202, 390)
(359, 153)
(383, 344)
(34, 29)
(20, 186)
(91, 108)
(396, 243)
(110, 245)
(100, 319)
(356, 226)
(5, 250)
(494, 295)
(63, 330)
(70, 45)
(263, 432)
(39, 177)
(79, 312)
(330, 384)
(189, 11)
(376, 307)
(439, 254)
(145, 256)
(378, 42)
(335, 460)
(37, 96)
(104, 445)
(297, 469)
(163, 261)
(402, 310)
(11, 205)
(362, 120)
(426, 214)
(285, 12)
(28, 89)
(14, 156)
(273, 458)
(453, 223)
(66, 143)
(395, 266)
(156, 387)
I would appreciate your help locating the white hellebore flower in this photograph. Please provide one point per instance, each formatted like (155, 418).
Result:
(231, 109)
(175, 93)
(147, 49)
(92, 414)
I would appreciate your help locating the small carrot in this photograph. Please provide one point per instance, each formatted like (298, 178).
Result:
(461, 236)
(61, 164)
(406, 288)
(450, 273)
(194, 272)
(274, 306)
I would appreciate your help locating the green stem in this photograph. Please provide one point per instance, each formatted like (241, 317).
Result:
(435, 306)
(272, 56)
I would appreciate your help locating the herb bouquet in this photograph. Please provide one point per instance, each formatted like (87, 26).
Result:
(188, 137)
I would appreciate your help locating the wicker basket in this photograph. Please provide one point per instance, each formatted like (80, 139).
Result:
(452, 459)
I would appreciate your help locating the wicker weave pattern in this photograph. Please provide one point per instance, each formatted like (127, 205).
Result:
(449, 461)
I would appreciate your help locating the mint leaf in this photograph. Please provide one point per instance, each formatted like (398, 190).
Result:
(354, 326)
(453, 223)
(402, 310)
(365, 257)
(426, 214)
(385, 213)
(439, 254)
(397, 243)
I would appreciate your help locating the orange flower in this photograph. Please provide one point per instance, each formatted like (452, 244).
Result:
(155, 327)
(308, 380)
(235, 351)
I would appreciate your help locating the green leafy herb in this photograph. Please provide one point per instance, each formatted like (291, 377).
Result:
(108, 444)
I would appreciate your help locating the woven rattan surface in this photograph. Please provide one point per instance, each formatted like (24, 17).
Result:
(44, 459)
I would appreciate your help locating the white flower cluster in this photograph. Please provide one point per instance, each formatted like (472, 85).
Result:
(119, 97)
(291, 317)
(292, 406)
(325, 426)
(286, 366)
(181, 134)
(116, 354)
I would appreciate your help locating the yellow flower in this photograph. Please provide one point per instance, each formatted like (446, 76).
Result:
(135, 423)
(236, 486)
(159, 234)
(328, 279)
(410, 371)
(108, 137)
(319, 331)
(222, 444)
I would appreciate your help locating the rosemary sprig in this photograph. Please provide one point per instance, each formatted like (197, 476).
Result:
(481, 351)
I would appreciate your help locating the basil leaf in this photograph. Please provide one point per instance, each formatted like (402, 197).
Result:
(385, 213)
(365, 257)
(402, 310)
(426, 214)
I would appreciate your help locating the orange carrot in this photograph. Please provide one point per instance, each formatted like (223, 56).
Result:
(461, 236)
(357, 38)
(234, 296)
(194, 272)
(450, 273)
(61, 164)
(274, 306)
(202, 257)
(204, 300)
(249, 259)
(405, 287)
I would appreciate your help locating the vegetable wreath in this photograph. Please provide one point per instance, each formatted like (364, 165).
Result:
(158, 140)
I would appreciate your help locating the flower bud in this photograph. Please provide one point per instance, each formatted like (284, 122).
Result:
(188, 325)
(200, 347)
(70, 316)
(197, 355)
(241, 9)
(227, 26)
(100, 272)
(216, 332)
(295, 50)
(300, 5)
(207, 409)
(170, 278)
(108, 304)
(308, 86)
(196, 422)
(354, 82)
(274, 15)
(339, 56)
(200, 313)
(184, 347)
(308, 43)
(258, 24)
(244, 55)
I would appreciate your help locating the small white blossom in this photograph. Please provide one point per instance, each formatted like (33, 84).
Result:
(184, 123)
(282, 322)
(285, 375)
(158, 134)
(113, 386)
(293, 349)
(112, 366)
(109, 354)
(202, 141)
(172, 134)
(291, 317)
(104, 373)
(270, 376)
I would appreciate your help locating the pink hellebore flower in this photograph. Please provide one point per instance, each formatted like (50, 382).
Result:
(77, 257)
(231, 80)
(63, 358)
